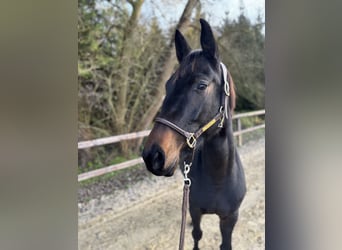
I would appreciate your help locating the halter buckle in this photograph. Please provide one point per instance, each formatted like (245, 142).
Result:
(226, 83)
(191, 140)
(226, 88)
(221, 123)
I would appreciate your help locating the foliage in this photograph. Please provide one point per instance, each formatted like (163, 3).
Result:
(119, 61)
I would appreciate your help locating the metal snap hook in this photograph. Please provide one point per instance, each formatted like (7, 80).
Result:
(187, 180)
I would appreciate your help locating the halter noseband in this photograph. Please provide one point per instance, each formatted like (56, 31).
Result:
(191, 138)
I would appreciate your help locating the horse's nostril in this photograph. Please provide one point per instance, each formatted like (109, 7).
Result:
(158, 160)
(154, 159)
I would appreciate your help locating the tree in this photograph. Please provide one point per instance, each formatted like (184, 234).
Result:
(123, 65)
(169, 65)
(242, 46)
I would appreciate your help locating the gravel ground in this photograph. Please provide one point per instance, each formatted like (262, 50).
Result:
(144, 212)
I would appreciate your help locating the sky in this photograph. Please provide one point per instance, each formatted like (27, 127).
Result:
(169, 11)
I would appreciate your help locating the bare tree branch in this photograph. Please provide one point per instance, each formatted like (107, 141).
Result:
(168, 66)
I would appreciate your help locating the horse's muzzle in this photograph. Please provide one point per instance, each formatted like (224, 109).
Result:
(154, 158)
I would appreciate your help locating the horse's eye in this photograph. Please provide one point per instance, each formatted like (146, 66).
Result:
(202, 86)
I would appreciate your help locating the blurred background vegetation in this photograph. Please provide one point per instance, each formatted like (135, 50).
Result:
(125, 58)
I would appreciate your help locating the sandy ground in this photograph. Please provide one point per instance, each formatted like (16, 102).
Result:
(148, 214)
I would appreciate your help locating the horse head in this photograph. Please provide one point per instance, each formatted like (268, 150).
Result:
(193, 96)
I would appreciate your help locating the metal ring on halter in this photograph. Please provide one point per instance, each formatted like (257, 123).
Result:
(191, 140)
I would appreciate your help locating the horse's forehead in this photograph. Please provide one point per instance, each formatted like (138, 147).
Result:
(196, 64)
(201, 65)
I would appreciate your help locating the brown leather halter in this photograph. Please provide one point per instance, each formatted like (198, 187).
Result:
(191, 139)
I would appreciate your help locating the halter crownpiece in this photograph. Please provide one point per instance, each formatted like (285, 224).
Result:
(225, 79)
(226, 91)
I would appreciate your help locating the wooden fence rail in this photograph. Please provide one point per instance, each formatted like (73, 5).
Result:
(135, 135)
(112, 139)
(246, 114)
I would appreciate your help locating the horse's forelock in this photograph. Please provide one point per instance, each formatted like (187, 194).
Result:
(189, 63)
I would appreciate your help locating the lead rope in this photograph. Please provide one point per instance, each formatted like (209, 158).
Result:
(185, 202)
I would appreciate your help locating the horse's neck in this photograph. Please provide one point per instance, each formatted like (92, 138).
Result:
(218, 153)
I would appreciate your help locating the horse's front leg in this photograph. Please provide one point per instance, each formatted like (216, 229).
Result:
(227, 223)
(196, 216)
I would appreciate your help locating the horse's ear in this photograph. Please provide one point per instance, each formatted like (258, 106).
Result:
(208, 43)
(182, 47)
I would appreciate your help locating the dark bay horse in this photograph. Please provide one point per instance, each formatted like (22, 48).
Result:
(195, 123)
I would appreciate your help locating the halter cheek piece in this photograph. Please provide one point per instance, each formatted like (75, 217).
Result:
(191, 138)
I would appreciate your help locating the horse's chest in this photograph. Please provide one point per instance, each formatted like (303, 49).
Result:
(211, 198)
(213, 189)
